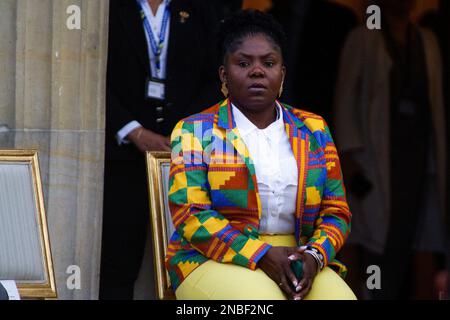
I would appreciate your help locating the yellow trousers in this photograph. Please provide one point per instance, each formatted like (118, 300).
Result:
(220, 281)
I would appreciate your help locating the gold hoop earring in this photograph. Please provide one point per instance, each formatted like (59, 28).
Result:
(281, 89)
(224, 89)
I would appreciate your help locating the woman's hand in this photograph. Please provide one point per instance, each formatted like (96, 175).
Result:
(309, 272)
(276, 263)
(146, 140)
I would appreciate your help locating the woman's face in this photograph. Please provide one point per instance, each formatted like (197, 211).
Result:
(254, 73)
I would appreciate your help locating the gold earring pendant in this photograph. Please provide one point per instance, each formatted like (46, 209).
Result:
(224, 89)
(281, 89)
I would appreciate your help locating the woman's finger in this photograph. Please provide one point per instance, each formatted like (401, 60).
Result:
(302, 284)
(294, 254)
(294, 257)
(286, 287)
(290, 275)
(301, 249)
(305, 290)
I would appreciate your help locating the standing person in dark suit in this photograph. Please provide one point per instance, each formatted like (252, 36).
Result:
(161, 68)
(316, 30)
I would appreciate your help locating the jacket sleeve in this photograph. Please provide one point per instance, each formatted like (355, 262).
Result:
(332, 227)
(117, 115)
(193, 216)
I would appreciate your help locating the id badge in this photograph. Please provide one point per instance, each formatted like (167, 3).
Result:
(155, 89)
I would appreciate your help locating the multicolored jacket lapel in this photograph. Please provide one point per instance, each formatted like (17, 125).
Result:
(225, 120)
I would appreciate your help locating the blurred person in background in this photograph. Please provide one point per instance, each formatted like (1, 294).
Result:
(439, 23)
(390, 130)
(316, 31)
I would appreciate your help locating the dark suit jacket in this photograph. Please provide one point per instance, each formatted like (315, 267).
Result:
(192, 82)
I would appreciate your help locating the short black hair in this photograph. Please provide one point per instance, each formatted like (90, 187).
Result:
(245, 23)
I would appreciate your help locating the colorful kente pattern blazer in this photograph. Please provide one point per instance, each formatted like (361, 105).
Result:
(214, 200)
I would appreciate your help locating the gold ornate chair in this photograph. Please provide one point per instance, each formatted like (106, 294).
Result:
(158, 166)
(25, 254)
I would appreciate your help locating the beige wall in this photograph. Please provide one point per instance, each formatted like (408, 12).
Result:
(52, 99)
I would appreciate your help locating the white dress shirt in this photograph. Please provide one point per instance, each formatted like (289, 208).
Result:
(155, 22)
(276, 172)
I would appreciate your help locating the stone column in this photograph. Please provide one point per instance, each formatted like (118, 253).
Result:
(52, 98)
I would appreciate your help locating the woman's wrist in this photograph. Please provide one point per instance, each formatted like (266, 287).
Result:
(318, 257)
(263, 259)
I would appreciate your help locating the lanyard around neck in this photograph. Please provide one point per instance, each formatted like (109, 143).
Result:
(156, 47)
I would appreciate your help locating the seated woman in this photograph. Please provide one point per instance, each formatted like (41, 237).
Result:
(255, 185)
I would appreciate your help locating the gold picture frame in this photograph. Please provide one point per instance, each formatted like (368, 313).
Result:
(19, 171)
(158, 166)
